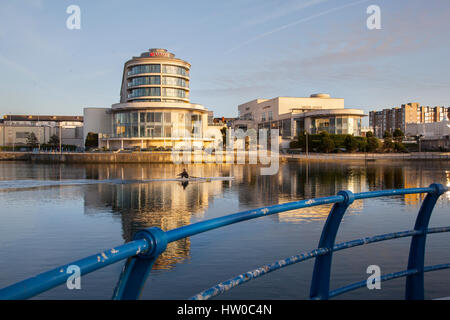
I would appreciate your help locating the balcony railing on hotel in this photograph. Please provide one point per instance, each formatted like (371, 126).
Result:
(148, 244)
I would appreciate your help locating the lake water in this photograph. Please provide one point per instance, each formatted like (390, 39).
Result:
(54, 214)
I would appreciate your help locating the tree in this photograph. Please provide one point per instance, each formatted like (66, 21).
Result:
(91, 140)
(224, 131)
(293, 144)
(388, 144)
(302, 140)
(53, 141)
(387, 134)
(350, 143)
(399, 147)
(32, 141)
(373, 143)
(326, 143)
(398, 135)
(362, 144)
(369, 134)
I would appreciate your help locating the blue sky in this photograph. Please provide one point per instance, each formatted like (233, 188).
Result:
(239, 50)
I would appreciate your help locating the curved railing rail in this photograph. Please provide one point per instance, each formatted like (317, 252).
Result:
(148, 244)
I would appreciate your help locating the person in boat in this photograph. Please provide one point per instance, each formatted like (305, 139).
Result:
(184, 174)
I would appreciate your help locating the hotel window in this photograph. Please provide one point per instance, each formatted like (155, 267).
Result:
(270, 115)
(175, 70)
(286, 128)
(158, 116)
(171, 92)
(196, 125)
(174, 81)
(134, 117)
(144, 92)
(263, 116)
(145, 68)
(147, 100)
(157, 132)
(167, 131)
(144, 80)
(134, 131)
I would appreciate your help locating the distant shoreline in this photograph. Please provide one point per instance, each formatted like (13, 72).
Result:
(367, 156)
(167, 157)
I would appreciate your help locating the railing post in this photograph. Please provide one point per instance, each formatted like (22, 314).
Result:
(137, 268)
(320, 285)
(414, 283)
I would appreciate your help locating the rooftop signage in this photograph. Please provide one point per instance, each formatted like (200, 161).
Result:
(160, 54)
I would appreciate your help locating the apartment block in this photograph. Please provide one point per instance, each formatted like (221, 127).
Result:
(400, 117)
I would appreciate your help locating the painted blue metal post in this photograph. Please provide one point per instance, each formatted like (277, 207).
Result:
(320, 285)
(414, 283)
(137, 268)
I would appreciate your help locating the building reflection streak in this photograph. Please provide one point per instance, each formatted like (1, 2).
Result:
(168, 205)
(447, 173)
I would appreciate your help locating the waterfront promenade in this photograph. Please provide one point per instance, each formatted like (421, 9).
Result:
(167, 157)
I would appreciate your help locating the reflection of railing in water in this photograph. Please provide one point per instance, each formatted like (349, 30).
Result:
(150, 243)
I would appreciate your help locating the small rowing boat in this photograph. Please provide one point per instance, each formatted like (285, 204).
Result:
(200, 179)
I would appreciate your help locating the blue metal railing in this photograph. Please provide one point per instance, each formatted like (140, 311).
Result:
(148, 244)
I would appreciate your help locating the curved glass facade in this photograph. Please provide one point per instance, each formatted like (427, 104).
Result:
(337, 125)
(171, 92)
(154, 108)
(138, 81)
(153, 124)
(145, 68)
(145, 92)
(175, 70)
(168, 81)
(174, 81)
(156, 68)
(156, 91)
(160, 83)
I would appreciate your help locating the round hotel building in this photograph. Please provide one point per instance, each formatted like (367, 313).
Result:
(154, 108)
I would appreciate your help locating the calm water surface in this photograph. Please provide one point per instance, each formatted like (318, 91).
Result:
(55, 214)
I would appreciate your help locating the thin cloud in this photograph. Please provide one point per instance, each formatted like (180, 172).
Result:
(320, 14)
(282, 11)
(18, 68)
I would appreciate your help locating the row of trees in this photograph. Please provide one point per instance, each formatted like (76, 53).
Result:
(33, 142)
(53, 143)
(393, 142)
(325, 142)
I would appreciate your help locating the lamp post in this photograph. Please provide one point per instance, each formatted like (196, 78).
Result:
(306, 138)
(418, 139)
(420, 143)
(10, 126)
(60, 128)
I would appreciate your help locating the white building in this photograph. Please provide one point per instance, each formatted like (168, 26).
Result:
(293, 115)
(432, 130)
(14, 129)
(154, 108)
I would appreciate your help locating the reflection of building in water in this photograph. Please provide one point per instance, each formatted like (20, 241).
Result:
(296, 182)
(141, 171)
(166, 205)
(421, 176)
(305, 180)
(316, 213)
